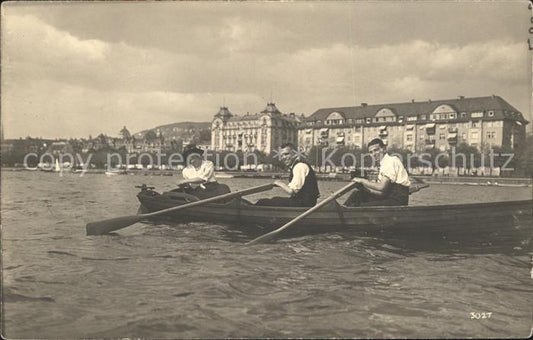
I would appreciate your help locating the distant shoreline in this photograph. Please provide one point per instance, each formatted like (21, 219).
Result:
(343, 177)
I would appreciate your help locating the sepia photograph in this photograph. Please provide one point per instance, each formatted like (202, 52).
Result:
(266, 169)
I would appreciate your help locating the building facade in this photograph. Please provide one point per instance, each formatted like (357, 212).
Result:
(483, 122)
(264, 131)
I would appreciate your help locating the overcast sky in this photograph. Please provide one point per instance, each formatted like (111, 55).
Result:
(73, 69)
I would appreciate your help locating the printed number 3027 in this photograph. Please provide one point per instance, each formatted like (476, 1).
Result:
(474, 315)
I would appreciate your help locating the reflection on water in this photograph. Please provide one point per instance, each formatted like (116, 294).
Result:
(199, 280)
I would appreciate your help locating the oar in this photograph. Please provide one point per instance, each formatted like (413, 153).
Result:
(107, 226)
(335, 195)
(416, 188)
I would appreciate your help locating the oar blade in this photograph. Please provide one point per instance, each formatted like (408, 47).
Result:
(107, 226)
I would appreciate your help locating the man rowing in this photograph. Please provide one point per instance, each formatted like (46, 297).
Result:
(392, 187)
(302, 187)
(199, 175)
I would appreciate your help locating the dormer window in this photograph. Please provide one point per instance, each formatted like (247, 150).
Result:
(335, 118)
(385, 115)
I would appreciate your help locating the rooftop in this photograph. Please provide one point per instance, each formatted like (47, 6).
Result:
(414, 108)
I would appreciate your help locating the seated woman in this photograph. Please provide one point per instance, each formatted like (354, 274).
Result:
(199, 175)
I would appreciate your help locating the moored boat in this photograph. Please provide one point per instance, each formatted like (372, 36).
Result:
(509, 217)
(113, 172)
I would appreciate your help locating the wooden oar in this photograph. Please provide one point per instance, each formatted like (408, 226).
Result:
(107, 226)
(335, 195)
(416, 188)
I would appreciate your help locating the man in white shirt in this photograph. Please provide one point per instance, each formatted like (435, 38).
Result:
(302, 186)
(392, 187)
(199, 175)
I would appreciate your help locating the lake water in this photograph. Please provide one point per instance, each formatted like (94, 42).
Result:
(200, 281)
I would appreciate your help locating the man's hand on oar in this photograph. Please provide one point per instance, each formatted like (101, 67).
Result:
(109, 225)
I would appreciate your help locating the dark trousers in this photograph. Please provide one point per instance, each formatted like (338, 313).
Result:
(283, 202)
(361, 197)
(211, 189)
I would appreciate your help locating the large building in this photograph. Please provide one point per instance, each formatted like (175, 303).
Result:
(264, 131)
(482, 122)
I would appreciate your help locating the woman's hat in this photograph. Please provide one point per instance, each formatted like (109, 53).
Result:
(191, 149)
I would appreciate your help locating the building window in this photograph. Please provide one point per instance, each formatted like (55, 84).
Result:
(475, 124)
(423, 117)
(491, 135)
(411, 119)
(409, 138)
(477, 115)
(442, 136)
(463, 114)
(491, 113)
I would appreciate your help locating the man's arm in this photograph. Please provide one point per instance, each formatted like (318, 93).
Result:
(300, 172)
(284, 186)
(378, 188)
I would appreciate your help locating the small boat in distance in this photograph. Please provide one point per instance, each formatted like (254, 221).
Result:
(223, 175)
(115, 172)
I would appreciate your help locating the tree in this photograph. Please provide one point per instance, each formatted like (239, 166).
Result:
(524, 161)
(466, 156)
(150, 136)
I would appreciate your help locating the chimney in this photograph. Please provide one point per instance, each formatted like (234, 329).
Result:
(364, 104)
(493, 96)
(412, 100)
(429, 100)
(461, 97)
(292, 114)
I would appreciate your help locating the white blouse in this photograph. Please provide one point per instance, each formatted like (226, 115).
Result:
(206, 171)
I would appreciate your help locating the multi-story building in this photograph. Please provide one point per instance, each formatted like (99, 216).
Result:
(482, 122)
(264, 131)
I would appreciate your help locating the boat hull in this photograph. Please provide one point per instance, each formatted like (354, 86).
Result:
(506, 217)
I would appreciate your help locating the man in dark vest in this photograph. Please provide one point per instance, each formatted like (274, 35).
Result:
(302, 187)
(392, 187)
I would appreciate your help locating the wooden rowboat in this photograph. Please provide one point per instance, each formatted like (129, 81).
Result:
(510, 217)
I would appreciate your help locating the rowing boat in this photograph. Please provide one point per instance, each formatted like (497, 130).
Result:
(508, 216)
